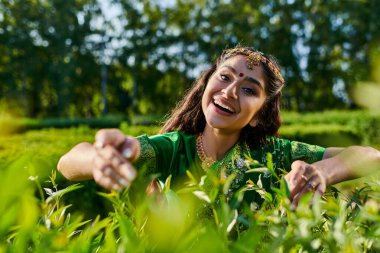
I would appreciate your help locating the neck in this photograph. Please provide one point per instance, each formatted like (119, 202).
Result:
(216, 143)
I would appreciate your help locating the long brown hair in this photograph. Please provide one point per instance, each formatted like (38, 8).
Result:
(188, 116)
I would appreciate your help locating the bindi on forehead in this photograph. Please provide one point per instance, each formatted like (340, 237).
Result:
(241, 74)
(253, 59)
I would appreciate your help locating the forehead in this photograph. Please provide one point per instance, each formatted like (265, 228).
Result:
(239, 63)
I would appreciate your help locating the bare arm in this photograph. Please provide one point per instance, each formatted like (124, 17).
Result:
(77, 164)
(108, 161)
(337, 165)
(349, 163)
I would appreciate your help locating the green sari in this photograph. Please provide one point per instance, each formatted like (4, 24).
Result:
(175, 152)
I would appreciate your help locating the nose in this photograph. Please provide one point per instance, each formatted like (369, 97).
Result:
(230, 91)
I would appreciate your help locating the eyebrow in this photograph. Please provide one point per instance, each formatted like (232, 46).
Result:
(247, 78)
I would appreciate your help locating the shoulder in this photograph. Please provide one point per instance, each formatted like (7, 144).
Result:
(298, 150)
(289, 150)
(168, 140)
(170, 152)
(273, 142)
(175, 136)
(278, 142)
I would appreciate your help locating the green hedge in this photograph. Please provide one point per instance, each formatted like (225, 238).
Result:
(20, 125)
(322, 134)
(326, 128)
(10, 125)
(326, 117)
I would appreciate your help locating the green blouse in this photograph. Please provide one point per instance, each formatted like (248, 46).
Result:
(175, 152)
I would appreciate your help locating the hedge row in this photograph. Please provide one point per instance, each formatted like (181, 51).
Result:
(10, 125)
(20, 125)
(324, 128)
(332, 127)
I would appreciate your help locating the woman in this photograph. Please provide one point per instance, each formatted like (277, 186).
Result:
(231, 111)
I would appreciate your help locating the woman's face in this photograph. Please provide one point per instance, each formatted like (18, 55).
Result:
(233, 95)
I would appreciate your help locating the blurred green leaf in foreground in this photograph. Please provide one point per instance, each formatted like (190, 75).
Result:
(367, 93)
(193, 217)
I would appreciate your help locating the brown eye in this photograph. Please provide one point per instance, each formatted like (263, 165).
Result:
(249, 91)
(224, 77)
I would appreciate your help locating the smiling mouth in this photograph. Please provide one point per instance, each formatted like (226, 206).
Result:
(223, 107)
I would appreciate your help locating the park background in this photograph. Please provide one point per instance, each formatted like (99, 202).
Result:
(68, 68)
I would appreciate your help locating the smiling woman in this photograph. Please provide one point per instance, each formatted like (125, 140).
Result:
(230, 102)
(231, 113)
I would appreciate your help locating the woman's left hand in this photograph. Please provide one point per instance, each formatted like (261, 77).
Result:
(304, 178)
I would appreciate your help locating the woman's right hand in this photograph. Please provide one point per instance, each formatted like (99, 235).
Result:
(112, 161)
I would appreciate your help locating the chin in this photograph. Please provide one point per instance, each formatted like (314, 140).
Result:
(217, 124)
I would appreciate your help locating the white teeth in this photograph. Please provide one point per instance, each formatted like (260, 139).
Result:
(224, 106)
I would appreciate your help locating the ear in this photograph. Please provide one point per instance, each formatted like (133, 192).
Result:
(254, 121)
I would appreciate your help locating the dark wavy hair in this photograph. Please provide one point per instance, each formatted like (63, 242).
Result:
(188, 116)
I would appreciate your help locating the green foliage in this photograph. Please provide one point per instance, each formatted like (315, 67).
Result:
(11, 125)
(42, 212)
(44, 56)
(69, 58)
(332, 128)
(43, 147)
(196, 217)
(326, 128)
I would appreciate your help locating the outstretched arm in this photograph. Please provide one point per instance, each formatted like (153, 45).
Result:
(77, 164)
(350, 163)
(107, 161)
(337, 165)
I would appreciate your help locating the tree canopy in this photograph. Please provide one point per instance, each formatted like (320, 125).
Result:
(88, 57)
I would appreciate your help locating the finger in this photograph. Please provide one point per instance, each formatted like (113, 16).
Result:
(321, 188)
(105, 181)
(127, 171)
(290, 181)
(108, 153)
(309, 187)
(117, 177)
(113, 137)
(297, 169)
(316, 197)
(318, 193)
(153, 187)
(109, 166)
(309, 175)
(130, 148)
(290, 178)
(312, 185)
(305, 181)
(300, 184)
(118, 163)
